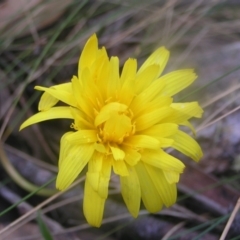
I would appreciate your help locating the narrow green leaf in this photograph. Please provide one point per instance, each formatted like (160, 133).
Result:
(211, 82)
(43, 228)
(26, 197)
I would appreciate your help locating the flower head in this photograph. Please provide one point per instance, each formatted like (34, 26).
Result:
(122, 122)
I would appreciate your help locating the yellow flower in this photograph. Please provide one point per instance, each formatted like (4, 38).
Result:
(122, 122)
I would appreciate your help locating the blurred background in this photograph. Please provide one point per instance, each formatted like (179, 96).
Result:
(40, 44)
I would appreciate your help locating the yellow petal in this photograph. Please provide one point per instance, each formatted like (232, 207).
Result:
(151, 118)
(161, 130)
(94, 169)
(93, 205)
(189, 125)
(107, 110)
(95, 163)
(64, 147)
(152, 91)
(139, 108)
(71, 166)
(106, 166)
(113, 85)
(189, 110)
(90, 92)
(171, 177)
(159, 57)
(82, 137)
(103, 186)
(150, 196)
(118, 154)
(148, 94)
(145, 77)
(88, 54)
(165, 142)
(82, 103)
(76, 89)
(120, 168)
(129, 70)
(101, 59)
(52, 113)
(162, 160)
(132, 156)
(100, 147)
(176, 81)
(127, 93)
(193, 109)
(127, 80)
(47, 100)
(61, 95)
(187, 145)
(81, 120)
(142, 141)
(168, 192)
(117, 127)
(131, 192)
(105, 177)
(98, 175)
(103, 77)
(93, 179)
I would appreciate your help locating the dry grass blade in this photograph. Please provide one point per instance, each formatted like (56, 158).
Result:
(10, 111)
(19, 222)
(173, 230)
(105, 221)
(128, 28)
(219, 110)
(23, 155)
(183, 19)
(153, 16)
(230, 220)
(197, 39)
(168, 21)
(218, 119)
(221, 95)
(24, 207)
(187, 25)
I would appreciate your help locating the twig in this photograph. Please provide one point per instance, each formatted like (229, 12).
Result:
(230, 220)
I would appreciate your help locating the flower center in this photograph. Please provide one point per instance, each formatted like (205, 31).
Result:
(114, 123)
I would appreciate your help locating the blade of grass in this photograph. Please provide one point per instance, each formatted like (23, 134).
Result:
(20, 221)
(219, 221)
(57, 33)
(230, 221)
(43, 228)
(26, 197)
(219, 183)
(218, 119)
(38, 61)
(235, 238)
(19, 179)
(211, 82)
(200, 226)
(5, 182)
(27, 157)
